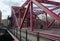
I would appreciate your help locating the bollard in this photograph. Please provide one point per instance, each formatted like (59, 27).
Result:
(20, 34)
(26, 36)
(38, 36)
(16, 32)
(13, 31)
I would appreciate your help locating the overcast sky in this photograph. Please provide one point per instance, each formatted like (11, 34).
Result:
(5, 6)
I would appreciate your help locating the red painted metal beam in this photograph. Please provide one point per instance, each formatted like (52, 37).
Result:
(55, 8)
(15, 18)
(42, 12)
(53, 15)
(46, 21)
(24, 16)
(25, 3)
(49, 2)
(47, 26)
(31, 15)
(43, 1)
(20, 17)
(51, 23)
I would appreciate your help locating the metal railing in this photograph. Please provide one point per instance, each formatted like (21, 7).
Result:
(18, 34)
(25, 35)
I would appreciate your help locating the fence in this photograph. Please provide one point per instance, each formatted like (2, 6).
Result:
(25, 35)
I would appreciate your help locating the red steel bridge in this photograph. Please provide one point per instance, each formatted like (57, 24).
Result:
(25, 17)
(26, 13)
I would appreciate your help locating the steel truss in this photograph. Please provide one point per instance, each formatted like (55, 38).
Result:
(20, 14)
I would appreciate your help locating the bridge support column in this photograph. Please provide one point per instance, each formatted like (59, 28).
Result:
(31, 16)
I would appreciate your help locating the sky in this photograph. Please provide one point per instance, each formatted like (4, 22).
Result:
(5, 6)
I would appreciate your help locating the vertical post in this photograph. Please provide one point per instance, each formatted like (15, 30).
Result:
(46, 21)
(26, 36)
(31, 15)
(38, 36)
(20, 34)
(20, 17)
(13, 30)
(16, 32)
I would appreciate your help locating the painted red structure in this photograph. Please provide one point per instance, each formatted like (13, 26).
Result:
(25, 14)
